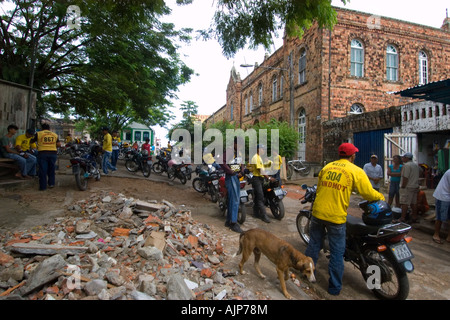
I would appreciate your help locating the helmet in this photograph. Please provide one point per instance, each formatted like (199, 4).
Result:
(125, 144)
(377, 213)
(145, 152)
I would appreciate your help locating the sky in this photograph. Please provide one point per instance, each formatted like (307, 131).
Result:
(208, 89)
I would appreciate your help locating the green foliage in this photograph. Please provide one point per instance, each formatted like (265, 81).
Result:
(288, 136)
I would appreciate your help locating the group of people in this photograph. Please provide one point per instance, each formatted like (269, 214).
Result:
(32, 150)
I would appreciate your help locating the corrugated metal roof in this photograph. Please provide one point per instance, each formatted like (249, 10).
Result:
(438, 91)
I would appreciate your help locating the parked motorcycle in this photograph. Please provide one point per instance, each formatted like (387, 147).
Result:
(223, 199)
(179, 171)
(207, 181)
(161, 164)
(85, 166)
(273, 196)
(140, 161)
(378, 248)
(124, 151)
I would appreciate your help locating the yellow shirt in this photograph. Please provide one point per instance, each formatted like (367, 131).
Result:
(107, 142)
(257, 165)
(24, 142)
(277, 162)
(336, 182)
(47, 140)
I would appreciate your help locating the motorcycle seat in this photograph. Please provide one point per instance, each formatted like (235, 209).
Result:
(356, 226)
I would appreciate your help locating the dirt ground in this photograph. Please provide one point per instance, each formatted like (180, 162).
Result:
(24, 207)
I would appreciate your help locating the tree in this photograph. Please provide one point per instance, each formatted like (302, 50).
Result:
(121, 59)
(237, 23)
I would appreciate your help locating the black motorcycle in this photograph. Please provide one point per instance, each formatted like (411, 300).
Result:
(273, 196)
(161, 164)
(179, 171)
(379, 252)
(140, 161)
(207, 181)
(85, 166)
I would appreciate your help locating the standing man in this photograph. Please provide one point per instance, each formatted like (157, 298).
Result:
(47, 145)
(259, 209)
(409, 187)
(336, 182)
(115, 148)
(442, 196)
(107, 151)
(374, 172)
(234, 169)
(26, 162)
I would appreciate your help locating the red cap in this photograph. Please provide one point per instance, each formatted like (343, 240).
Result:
(347, 149)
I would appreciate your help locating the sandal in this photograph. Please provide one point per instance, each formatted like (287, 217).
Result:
(438, 241)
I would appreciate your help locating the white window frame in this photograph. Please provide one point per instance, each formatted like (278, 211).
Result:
(423, 67)
(274, 89)
(302, 67)
(391, 63)
(356, 65)
(260, 95)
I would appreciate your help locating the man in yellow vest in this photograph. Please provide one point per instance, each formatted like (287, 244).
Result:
(47, 145)
(107, 151)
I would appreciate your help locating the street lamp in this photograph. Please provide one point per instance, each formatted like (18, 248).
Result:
(291, 84)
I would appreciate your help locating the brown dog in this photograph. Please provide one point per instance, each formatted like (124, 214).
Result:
(281, 253)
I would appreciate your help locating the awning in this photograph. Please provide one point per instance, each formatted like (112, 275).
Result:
(438, 91)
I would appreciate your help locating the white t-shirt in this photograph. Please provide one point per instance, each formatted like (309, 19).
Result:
(442, 191)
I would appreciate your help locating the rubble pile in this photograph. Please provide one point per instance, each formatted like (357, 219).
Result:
(110, 247)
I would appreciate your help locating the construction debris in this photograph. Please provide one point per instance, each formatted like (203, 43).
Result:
(110, 247)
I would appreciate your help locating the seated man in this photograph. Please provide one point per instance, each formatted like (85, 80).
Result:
(25, 143)
(26, 163)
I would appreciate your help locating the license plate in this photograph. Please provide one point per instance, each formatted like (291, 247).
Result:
(244, 193)
(149, 162)
(278, 192)
(215, 182)
(401, 252)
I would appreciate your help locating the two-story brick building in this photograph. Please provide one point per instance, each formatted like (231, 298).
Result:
(332, 74)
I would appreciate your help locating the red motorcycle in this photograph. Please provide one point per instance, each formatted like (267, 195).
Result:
(223, 199)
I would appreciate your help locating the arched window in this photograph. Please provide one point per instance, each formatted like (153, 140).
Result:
(302, 67)
(391, 63)
(251, 102)
(260, 94)
(231, 111)
(246, 104)
(423, 68)
(356, 108)
(281, 85)
(357, 58)
(274, 88)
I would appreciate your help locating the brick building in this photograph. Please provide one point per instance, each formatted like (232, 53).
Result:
(328, 75)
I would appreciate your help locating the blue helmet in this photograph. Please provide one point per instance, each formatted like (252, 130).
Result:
(377, 213)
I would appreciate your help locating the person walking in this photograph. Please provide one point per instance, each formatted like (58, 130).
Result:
(409, 187)
(394, 172)
(47, 145)
(234, 169)
(259, 209)
(336, 182)
(442, 196)
(115, 148)
(26, 162)
(374, 172)
(107, 151)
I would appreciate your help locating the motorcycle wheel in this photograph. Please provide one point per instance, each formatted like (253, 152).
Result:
(394, 284)
(302, 223)
(242, 214)
(277, 208)
(146, 170)
(171, 173)
(183, 179)
(157, 167)
(305, 171)
(213, 193)
(131, 165)
(81, 180)
(199, 185)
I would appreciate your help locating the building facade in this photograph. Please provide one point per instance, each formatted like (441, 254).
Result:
(328, 75)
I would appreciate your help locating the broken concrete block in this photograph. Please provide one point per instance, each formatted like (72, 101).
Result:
(94, 287)
(46, 249)
(157, 240)
(150, 253)
(177, 289)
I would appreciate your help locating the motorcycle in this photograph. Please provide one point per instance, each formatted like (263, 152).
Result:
(123, 152)
(223, 199)
(162, 163)
(379, 252)
(179, 171)
(85, 167)
(140, 161)
(207, 181)
(273, 196)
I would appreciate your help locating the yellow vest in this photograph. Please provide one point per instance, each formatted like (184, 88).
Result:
(47, 140)
(336, 182)
(107, 142)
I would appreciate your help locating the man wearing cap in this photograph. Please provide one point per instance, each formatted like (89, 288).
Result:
(336, 182)
(374, 172)
(409, 186)
(259, 209)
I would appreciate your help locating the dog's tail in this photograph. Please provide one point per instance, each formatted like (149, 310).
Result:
(240, 245)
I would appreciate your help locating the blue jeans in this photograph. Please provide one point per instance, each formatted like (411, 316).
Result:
(47, 167)
(233, 190)
(106, 163)
(114, 157)
(27, 166)
(336, 238)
